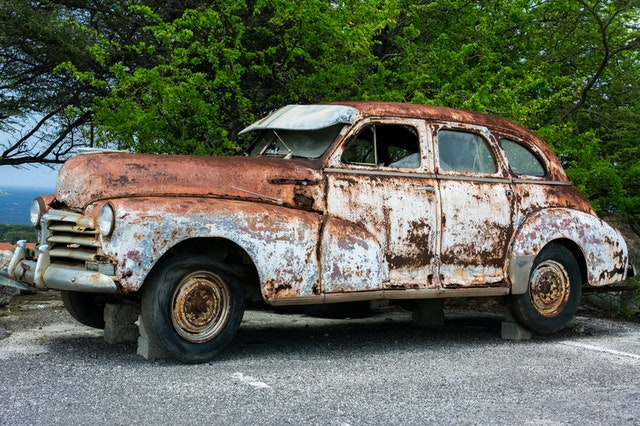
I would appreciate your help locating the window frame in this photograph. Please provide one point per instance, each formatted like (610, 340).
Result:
(416, 127)
(529, 149)
(478, 131)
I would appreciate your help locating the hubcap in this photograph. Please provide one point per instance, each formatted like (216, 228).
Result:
(201, 304)
(550, 287)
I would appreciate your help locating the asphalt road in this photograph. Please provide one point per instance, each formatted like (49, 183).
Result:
(291, 369)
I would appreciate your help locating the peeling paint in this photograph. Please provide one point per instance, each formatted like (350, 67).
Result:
(316, 229)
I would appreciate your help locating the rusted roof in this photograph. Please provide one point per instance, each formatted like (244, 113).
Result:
(444, 114)
(11, 247)
(405, 110)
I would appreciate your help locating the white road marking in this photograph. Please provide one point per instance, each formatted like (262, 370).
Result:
(601, 349)
(250, 381)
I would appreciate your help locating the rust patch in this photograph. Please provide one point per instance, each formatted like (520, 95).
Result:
(402, 228)
(302, 199)
(90, 177)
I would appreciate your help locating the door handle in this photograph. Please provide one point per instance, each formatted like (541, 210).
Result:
(430, 189)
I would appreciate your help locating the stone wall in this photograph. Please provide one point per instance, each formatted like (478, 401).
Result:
(6, 293)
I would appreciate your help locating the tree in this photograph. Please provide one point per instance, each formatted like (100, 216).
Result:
(568, 70)
(223, 66)
(594, 47)
(46, 111)
(187, 79)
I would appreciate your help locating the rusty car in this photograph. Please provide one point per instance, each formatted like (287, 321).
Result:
(338, 202)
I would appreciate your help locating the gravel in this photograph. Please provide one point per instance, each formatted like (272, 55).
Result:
(291, 369)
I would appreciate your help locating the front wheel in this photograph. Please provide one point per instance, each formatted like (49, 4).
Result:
(86, 308)
(192, 308)
(553, 293)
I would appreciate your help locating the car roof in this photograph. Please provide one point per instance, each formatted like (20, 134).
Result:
(317, 116)
(406, 110)
(453, 115)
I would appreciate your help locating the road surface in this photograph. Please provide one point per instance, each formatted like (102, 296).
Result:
(289, 369)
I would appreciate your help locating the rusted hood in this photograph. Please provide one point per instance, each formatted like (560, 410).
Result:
(88, 178)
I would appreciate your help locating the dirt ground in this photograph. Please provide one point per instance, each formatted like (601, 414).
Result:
(26, 311)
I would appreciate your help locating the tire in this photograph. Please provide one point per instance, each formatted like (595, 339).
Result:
(192, 308)
(86, 308)
(553, 293)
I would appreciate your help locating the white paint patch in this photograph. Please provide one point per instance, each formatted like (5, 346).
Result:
(250, 381)
(36, 340)
(601, 349)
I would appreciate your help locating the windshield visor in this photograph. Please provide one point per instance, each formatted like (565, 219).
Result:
(305, 117)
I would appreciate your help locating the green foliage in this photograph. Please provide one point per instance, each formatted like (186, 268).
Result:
(188, 81)
(55, 60)
(14, 233)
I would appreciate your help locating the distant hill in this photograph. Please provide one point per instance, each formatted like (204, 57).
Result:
(13, 233)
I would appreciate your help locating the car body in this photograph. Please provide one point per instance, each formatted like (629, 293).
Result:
(332, 203)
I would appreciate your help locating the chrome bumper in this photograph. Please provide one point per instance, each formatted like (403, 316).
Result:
(27, 274)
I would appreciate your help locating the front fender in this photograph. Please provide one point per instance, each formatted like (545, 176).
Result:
(281, 241)
(603, 248)
(351, 258)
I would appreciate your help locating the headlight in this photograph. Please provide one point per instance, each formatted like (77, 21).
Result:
(38, 208)
(106, 220)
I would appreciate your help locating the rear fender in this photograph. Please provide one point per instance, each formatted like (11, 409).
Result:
(603, 248)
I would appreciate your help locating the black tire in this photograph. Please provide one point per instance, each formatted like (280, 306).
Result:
(192, 307)
(553, 293)
(86, 308)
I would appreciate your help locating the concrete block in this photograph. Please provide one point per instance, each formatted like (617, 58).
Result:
(146, 348)
(513, 331)
(120, 323)
(428, 313)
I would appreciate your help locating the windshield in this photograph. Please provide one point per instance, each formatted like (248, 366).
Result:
(294, 143)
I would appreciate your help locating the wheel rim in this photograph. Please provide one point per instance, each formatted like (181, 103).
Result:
(550, 287)
(201, 306)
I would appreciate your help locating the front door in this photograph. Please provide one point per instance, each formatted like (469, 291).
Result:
(382, 210)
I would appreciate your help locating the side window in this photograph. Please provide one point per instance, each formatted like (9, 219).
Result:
(465, 152)
(521, 160)
(384, 145)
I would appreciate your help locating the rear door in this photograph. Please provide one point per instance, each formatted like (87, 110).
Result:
(477, 207)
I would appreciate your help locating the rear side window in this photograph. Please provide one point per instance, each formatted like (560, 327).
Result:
(465, 152)
(521, 160)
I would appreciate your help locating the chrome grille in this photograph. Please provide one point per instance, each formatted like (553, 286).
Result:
(71, 237)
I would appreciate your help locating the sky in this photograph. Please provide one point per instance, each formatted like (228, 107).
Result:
(28, 177)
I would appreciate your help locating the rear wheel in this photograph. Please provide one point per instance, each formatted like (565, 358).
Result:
(192, 308)
(86, 308)
(553, 293)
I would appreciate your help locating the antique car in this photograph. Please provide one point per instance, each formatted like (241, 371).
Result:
(356, 201)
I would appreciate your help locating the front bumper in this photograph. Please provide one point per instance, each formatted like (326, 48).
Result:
(30, 274)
